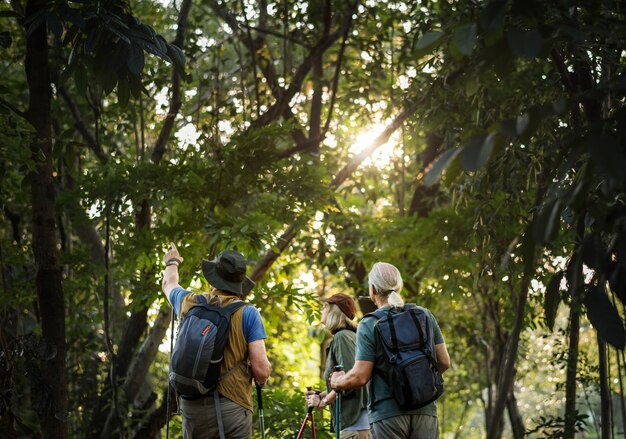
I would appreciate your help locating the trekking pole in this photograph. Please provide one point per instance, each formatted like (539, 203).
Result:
(338, 407)
(309, 415)
(169, 383)
(259, 400)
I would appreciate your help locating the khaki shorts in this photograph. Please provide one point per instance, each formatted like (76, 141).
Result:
(200, 420)
(406, 427)
(354, 434)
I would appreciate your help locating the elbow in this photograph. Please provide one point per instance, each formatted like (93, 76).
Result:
(444, 365)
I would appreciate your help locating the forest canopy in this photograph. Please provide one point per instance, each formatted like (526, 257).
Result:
(478, 146)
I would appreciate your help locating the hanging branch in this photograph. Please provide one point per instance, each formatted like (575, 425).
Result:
(253, 59)
(159, 147)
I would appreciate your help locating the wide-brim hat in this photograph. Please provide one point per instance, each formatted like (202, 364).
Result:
(227, 272)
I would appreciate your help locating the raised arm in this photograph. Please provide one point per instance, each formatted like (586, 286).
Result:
(172, 259)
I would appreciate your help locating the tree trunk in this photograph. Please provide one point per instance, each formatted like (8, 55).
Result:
(574, 277)
(139, 367)
(517, 423)
(49, 286)
(606, 421)
(508, 370)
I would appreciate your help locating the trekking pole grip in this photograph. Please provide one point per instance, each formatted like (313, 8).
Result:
(259, 398)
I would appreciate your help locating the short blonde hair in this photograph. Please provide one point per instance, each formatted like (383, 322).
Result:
(336, 319)
(387, 280)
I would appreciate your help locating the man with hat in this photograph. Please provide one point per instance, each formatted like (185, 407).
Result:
(244, 356)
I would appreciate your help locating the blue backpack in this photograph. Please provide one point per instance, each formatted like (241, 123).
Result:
(409, 348)
(199, 350)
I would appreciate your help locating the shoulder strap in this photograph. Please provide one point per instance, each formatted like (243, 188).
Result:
(232, 307)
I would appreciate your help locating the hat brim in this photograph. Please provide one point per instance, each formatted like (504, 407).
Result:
(209, 270)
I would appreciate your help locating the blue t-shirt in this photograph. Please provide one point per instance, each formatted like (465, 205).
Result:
(253, 328)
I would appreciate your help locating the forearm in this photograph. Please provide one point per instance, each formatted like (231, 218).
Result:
(349, 381)
(170, 280)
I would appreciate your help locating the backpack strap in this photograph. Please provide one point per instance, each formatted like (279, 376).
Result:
(229, 310)
(218, 413)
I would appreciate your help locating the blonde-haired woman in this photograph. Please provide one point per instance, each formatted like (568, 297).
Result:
(387, 419)
(338, 317)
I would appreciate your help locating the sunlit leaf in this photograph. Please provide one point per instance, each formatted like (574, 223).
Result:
(429, 41)
(440, 165)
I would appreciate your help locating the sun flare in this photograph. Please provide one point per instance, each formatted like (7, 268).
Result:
(382, 156)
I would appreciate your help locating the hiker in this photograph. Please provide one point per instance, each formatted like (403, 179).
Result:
(386, 417)
(244, 355)
(337, 316)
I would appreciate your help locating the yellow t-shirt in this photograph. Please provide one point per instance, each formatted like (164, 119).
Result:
(236, 378)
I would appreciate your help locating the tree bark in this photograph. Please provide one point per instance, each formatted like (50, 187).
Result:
(606, 415)
(49, 285)
(507, 376)
(517, 423)
(574, 276)
(140, 366)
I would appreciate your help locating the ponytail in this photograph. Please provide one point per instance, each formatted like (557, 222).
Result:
(394, 299)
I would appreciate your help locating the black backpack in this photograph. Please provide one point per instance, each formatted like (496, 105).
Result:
(409, 348)
(199, 350)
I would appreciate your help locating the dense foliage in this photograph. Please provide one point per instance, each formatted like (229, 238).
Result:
(478, 146)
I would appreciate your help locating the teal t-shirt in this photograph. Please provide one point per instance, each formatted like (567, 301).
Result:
(382, 405)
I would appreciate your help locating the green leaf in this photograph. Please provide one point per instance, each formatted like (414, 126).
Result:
(604, 317)
(525, 43)
(93, 37)
(547, 222)
(135, 60)
(123, 92)
(439, 165)
(465, 38)
(178, 58)
(476, 152)
(429, 41)
(552, 298)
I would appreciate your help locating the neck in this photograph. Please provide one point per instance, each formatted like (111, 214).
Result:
(380, 302)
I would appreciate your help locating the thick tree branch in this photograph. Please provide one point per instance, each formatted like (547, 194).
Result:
(270, 257)
(380, 140)
(6, 104)
(158, 150)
